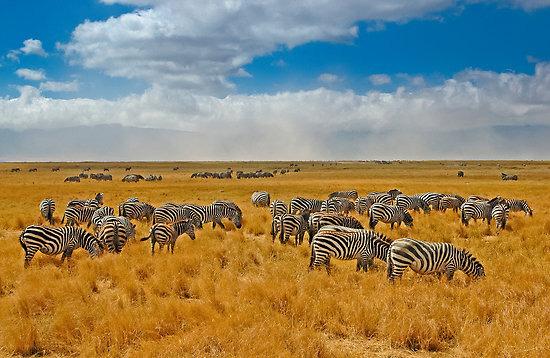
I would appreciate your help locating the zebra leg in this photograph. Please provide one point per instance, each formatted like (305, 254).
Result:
(29, 254)
(327, 264)
(391, 226)
(67, 254)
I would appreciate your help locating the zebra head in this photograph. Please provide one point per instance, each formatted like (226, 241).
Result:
(425, 206)
(236, 217)
(91, 244)
(407, 218)
(99, 198)
(470, 265)
(526, 208)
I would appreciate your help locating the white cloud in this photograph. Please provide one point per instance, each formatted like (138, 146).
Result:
(328, 78)
(13, 55)
(241, 72)
(33, 47)
(379, 79)
(53, 86)
(31, 75)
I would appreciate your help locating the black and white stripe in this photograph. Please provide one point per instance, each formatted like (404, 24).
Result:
(76, 215)
(347, 244)
(478, 210)
(168, 234)
(500, 214)
(363, 204)
(411, 203)
(277, 207)
(349, 194)
(99, 215)
(260, 198)
(431, 199)
(137, 210)
(216, 212)
(56, 240)
(337, 205)
(95, 202)
(430, 257)
(290, 224)
(519, 205)
(301, 205)
(47, 208)
(171, 213)
(115, 232)
(318, 220)
(388, 214)
(450, 202)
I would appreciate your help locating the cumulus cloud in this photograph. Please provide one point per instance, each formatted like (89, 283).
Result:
(379, 79)
(462, 113)
(328, 78)
(31, 75)
(53, 86)
(30, 47)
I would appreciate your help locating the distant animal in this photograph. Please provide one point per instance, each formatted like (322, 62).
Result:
(33, 170)
(105, 169)
(55, 169)
(347, 244)
(388, 214)
(168, 234)
(260, 198)
(87, 169)
(349, 194)
(290, 224)
(57, 240)
(83, 176)
(277, 207)
(132, 178)
(505, 176)
(47, 207)
(73, 179)
(500, 214)
(460, 174)
(519, 205)
(412, 203)
(478, 210)
(176, 168)
(128, 169)
(300, 204)
(430, 258)
(15, 170)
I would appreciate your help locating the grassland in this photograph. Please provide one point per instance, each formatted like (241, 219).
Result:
(235, 293)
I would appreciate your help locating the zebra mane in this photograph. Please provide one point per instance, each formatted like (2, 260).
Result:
(381, 237)
(468, 255)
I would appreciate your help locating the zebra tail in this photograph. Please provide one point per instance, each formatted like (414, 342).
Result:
(389, 263)
(312, 259)
(282, 234)
(115, 238)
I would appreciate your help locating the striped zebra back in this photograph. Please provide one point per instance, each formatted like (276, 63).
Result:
(260, 198)
(300, 204)
(113, 234)
(277, 207)
(349, 194)
(519, 205)
(500, 214)
(47, 208)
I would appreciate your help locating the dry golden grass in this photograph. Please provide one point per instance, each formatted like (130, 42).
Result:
(236, 294)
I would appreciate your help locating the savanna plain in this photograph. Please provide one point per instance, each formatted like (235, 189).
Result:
(235, 293)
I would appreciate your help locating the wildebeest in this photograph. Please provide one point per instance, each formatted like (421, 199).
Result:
(175, 168)
(55, 169)
(128, 169)
(74, 178)
(14, 170)
(460, 174)
(101, 176)
(132, 178)
(32, 170)
(87, 169)
(505, 176)
(153, 178)
(105, 169)
(83, 176)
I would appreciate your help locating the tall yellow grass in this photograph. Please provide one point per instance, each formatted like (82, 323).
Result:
(235, 293)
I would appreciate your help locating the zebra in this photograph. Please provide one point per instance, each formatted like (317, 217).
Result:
(505, 176)
(95, 202)
(500, 214)
(215, 212)
(337, 205)
(430, 257)
(431, 199)
(478, 210)
(137, 210)
(347, 244)
(163, 234)
(171, 213)
(300, 204)
(290, 224)
(56, 240)
(129, 200)
(260, 198)
(450, 202)
(411, 203)
(363, 204)
(388, 214)
(277, 207)
(318, 220)
(519, 205)
(78, 215)
(350, 194)
(99, 215)
(47, 207)
(477, 198)
(113, 234)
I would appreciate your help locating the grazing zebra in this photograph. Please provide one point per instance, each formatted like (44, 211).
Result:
(505, 176)
(500, 214)
(171, 213)
(431, 199)
(519, 205)
(389, 214)
(215, 212)
(411, 203)
(277, 207)
(430, 257)
(137, 210)
(56, 240)
(47, 207)
(450, 202)
(260, 198)
(113, 234)
(95, 202)
(350, 194)
(163, 234)
(129, 200)
(318, 220)
(478, 210)
(99, 215)
(290, 224)
(78, 215)
(347, 244)
(363, 204)
(299, 204)
(337, 205)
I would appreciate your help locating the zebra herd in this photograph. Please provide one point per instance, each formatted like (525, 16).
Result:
(333, 233)
(111, 232)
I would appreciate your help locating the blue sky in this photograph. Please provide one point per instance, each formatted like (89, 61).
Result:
(287, 72)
